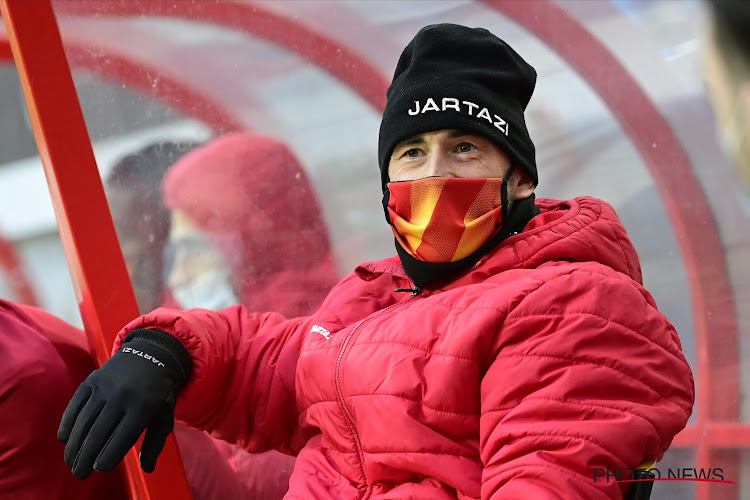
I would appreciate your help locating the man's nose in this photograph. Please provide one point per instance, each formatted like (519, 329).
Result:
(437, 166)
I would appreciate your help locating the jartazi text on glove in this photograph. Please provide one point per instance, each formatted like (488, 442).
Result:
(143, 355)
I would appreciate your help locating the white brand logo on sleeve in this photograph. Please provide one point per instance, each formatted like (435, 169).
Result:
(320, 330)
(456, 105)
(143, 355)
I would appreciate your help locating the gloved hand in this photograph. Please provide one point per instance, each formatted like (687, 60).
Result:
(133, 391)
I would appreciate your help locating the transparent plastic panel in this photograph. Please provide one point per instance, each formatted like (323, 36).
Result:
(33, 268)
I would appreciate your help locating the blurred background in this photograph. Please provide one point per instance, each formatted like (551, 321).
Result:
(619, 113)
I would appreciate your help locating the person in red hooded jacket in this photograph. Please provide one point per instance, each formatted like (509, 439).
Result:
(44, 361)
(246, 228)
(509, 350)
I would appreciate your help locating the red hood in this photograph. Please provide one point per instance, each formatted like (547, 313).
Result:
(579, 230)
(254, 201)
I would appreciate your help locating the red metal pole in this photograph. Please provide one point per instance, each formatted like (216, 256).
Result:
(96, 264)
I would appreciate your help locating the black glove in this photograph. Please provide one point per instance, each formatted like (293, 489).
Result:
(133, 391)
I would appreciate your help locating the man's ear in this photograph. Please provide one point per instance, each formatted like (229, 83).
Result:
(743, 155)
(524, 186)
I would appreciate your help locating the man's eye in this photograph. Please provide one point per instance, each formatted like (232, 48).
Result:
(466, 147)
(412, 153)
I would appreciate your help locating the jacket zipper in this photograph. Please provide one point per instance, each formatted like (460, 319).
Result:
(340, 391)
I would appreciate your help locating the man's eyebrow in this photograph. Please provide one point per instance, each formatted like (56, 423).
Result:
(460, 133)
(417, 139)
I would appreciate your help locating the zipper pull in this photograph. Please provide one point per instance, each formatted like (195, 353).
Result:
(414, 291)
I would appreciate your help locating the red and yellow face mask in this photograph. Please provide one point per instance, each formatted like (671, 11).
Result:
(441, 219)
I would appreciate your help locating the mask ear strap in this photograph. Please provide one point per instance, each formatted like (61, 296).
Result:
(386, 199)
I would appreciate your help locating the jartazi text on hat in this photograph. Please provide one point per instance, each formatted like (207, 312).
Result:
(455, 104)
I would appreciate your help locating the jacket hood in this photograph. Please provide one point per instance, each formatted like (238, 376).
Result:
(583, 229)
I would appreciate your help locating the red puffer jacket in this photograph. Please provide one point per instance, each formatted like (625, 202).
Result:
(517, 379)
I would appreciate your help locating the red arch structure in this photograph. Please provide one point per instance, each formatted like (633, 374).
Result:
(17, 280)
(135, 74)
(694, 225)
(351, 68)
(9, 260)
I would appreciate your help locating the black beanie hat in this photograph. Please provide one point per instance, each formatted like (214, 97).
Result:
(454, 77)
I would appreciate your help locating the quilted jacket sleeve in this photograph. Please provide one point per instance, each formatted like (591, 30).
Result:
(587, 375)
(242, 388)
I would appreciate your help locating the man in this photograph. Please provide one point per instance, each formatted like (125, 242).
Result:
(246, 227)
(140, 217)
(506, 352)
(727, 64)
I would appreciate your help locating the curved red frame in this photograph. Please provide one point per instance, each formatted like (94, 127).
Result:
(9, 260)
(18, 282)
(694, 225)
(5, 52)
(123, 69)
(351, 68)
(179, 95)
